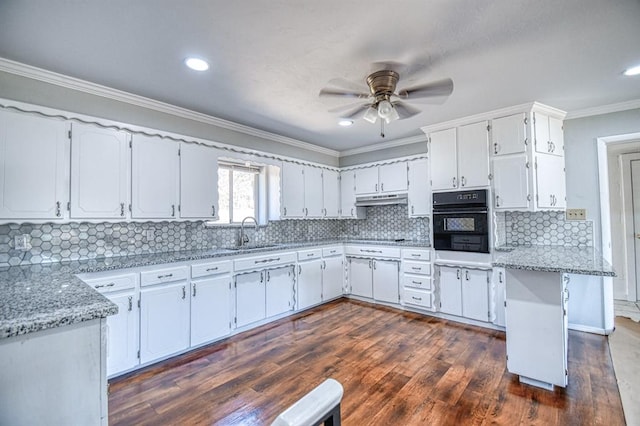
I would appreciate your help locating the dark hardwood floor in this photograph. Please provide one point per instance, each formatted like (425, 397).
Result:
(397, 368)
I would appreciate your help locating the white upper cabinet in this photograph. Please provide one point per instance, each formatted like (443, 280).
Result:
(348, 207)
(198, 182)
(393, 177)
(548, 134)
(292, 190)
(99, 172)
(511, 182)
(419, 193)
(473, 155)
(550, 181)
(331, 193)
(33, 167)
(383, 179)
(509, 134)
(444, 160)
(154, 178)
(367, 181)
(313, 199)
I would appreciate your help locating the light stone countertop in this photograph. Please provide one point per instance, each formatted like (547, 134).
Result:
(570, 260)
(44, 296)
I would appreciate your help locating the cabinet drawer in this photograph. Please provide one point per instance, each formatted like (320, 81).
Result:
(367, 251)
(416, 254)
(264, 261)
(332, 251)
(210, 268)
(411, 267)
(164, 275)
(113, 283)
(309, 254)
(423, 298)
(416, 281)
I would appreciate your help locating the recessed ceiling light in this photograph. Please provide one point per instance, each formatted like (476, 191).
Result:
(345, 123)
(196, 64)
(632, 71)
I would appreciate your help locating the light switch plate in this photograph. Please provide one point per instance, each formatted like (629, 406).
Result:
(576, 214)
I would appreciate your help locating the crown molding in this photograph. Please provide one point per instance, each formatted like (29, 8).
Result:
(28, 71)
(604, 109)
(385, 145)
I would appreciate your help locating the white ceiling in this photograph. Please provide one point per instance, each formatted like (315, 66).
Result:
(270, 58)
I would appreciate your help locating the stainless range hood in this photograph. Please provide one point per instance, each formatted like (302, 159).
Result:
(381, 200)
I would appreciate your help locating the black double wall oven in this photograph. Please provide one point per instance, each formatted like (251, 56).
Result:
(461, 221)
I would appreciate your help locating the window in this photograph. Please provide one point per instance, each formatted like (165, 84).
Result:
(237, 192)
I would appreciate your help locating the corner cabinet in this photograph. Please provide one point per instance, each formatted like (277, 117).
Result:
(348, 209)
(155, 167)
(34, 154)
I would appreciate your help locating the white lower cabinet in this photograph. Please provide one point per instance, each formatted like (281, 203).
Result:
(122, 333)
(464, 292)
(332, 277)
(360, 279)
(250, 298)
(309, 283)
(386, 286)
(416, 279)
(164, 320)
(498, 297)
(279, 290)
(210, 309)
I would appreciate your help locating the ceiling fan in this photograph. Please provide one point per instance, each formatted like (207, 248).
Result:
(382, 99)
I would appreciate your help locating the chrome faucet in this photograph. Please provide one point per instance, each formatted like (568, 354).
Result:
(244, 238)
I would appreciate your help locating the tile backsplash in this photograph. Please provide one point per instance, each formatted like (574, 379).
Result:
(52, 242)
(542, 228)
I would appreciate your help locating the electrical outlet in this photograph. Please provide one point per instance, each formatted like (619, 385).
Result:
(576, 214)
(22, 242)
(150, 234)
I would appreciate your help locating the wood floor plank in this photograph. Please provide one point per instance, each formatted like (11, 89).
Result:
(396, 367)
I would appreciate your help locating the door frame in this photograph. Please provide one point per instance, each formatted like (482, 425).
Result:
(628, 217)
(605, 217)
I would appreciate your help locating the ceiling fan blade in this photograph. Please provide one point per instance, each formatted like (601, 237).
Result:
(336, 93)
(438, 90)
(356, 113)
(405, 110)
(348, 107)
(343, 83)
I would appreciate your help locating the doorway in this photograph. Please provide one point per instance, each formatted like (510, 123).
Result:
(630, 165)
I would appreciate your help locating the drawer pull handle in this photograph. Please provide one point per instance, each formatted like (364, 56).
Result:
(310, 254)
(416, 298)
(417, 282)
(212, 269)
(105, 285)
(416, 268)
(165, 276)
(267, 260)
(415, 254)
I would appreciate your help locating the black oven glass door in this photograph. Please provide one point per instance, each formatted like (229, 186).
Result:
(461, 232)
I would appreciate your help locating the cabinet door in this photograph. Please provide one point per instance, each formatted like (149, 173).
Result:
(164, 320)
(511, 182)
(360, 277)
(313, 198)
(331, 193)
(122, 334)
(198, 181)
(279, 298)
(210, 309)
(250, 298)
(550, 182)
(309, 283)
(556, 136)
(549, 138)
(154, 178)
(332, 278)
(292, 190)
(509, 135)
(33, 159)
(348, 197)
(99, 172)
(367, 181)
(386, 281)
(450, 290)
(498, 296)
(419, 194)
(444, 161)
(475, 294)
(473, 155)
(393, 177)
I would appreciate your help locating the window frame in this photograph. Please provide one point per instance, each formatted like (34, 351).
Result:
(256, 171)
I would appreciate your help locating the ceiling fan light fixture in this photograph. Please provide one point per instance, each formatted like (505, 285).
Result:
(371, 115)
(387, 112)
(196, 64)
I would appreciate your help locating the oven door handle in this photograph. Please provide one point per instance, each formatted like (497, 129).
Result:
(443, 212)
